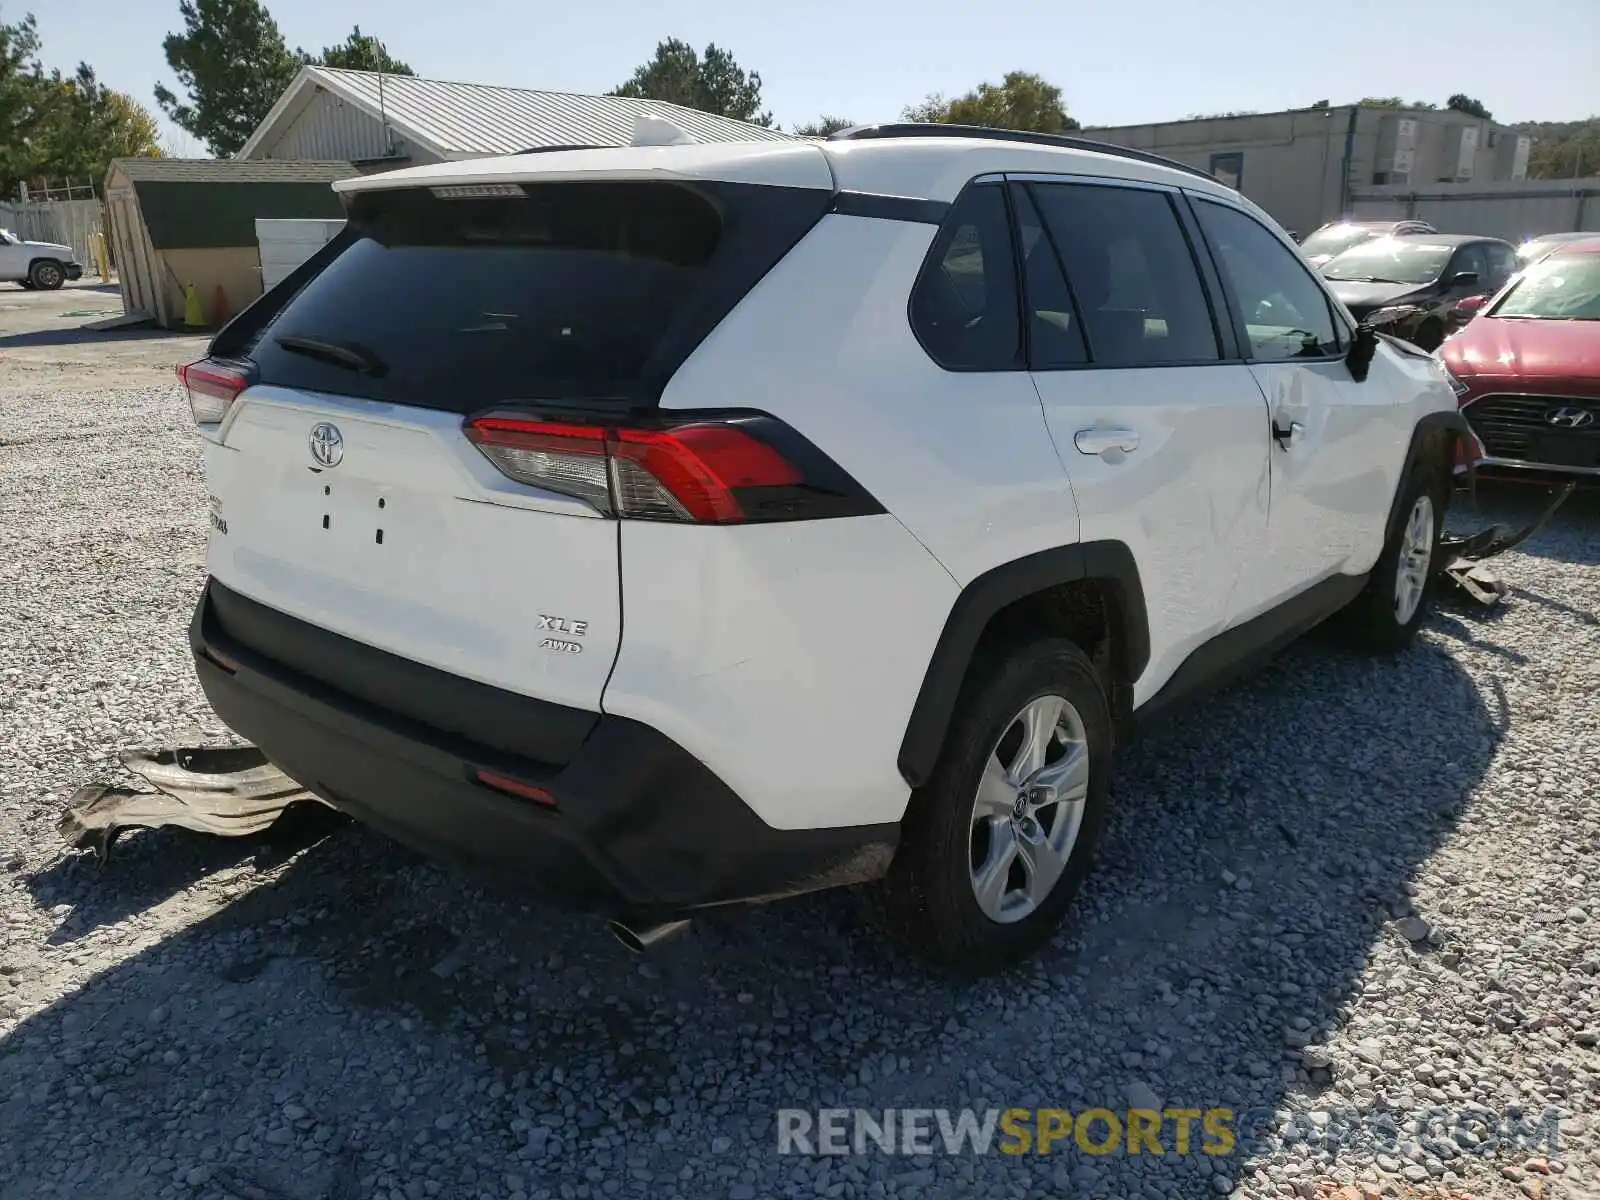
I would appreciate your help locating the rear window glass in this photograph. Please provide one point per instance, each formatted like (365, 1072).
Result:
(576, 291)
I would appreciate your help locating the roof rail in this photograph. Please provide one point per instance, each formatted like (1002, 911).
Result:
(907, 129)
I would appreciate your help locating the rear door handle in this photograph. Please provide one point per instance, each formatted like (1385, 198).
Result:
(1103, 438)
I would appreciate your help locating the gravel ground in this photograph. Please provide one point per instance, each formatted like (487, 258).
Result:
(1343, 885)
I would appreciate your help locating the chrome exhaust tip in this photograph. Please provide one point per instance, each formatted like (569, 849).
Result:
(638, 939)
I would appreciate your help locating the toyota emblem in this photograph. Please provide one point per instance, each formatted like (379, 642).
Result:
(327, 444)
(1570, 417)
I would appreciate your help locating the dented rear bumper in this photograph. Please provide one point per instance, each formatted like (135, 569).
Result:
(612, 816)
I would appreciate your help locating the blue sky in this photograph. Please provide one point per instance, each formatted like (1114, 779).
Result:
(1117, 61)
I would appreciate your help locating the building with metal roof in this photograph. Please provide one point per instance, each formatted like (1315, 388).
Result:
(1305, 165)
(378, 121)
(180, 222)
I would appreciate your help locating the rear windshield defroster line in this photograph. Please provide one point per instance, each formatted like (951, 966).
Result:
(585, 293)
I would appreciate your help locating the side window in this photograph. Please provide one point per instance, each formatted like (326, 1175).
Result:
(1286, 315)
(1502, 265)
(1132, 273)
(964, 305)
(1470, 258)
(1055, 335)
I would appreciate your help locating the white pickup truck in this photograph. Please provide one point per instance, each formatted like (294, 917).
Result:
(42, 265)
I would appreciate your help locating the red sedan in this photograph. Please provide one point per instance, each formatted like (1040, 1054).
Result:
(1526, 367)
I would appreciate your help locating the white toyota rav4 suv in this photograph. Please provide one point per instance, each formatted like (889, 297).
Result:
(678, 526)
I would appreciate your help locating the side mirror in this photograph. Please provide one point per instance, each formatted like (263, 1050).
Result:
(1464, 279)
(1362, 347)
(1464, 310)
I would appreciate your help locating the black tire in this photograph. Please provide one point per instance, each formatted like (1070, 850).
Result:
(1376, 621)
(928, 900)
(1430, 335)
(47, 275)
(25, 284)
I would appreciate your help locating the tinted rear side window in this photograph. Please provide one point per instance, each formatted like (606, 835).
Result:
(1055, 335)
(964, 305)
(571, 292)
(1132, 272)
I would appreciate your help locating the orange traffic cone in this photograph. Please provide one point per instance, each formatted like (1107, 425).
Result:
(220, 313)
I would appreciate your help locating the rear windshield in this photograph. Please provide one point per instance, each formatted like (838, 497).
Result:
(574, 291)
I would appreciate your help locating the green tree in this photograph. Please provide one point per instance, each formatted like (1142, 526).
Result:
(55, 128)
(712, 82)
(91, 124)
(232, 61)
(822, 126)
(131, 128)
(932, 110)
(362, 52)
(1563, 149)
(1392, 102)
(1022, 100)
(1466, 104)
(25, 103)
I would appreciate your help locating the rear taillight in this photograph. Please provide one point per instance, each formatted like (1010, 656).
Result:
(212, 388)
(723, 471)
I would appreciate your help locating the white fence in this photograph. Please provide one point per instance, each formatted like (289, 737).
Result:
(1511, 210)
(69, 222)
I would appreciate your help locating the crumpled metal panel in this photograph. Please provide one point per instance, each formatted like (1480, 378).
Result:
(1463, 556)
(229, 792)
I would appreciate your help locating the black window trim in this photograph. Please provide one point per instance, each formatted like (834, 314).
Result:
(1025, 300)
(1227, 345)
(1343, 329)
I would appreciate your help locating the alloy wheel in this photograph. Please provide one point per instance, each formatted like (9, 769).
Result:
(1416, 556)
(1029, 808)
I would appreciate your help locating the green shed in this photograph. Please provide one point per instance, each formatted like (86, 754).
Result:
(176, 222)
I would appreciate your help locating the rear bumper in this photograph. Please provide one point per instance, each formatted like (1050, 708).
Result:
(639, 826)
(72, 270)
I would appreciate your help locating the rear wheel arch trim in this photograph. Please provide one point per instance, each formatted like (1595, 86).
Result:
(1107, 562)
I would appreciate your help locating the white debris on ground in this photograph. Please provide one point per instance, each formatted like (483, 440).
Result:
(1342, 887)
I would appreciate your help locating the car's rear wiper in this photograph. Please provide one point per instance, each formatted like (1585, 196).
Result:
(339, 354)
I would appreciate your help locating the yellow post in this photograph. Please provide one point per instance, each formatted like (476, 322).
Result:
(97, 246)
(193, 317)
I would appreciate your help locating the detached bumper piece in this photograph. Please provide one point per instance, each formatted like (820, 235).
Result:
(1464, 556)
(590, 811)
(226, 792)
